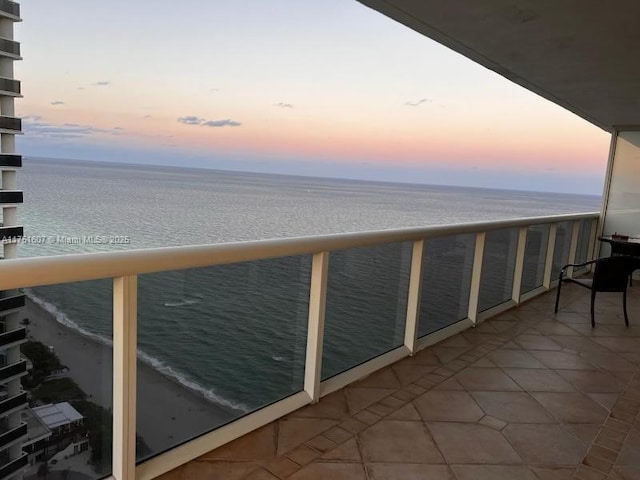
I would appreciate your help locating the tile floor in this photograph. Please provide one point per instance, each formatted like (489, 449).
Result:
(526, 395)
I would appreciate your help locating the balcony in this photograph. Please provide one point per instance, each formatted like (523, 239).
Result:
(9, 9)
(10, 124)
(12, 468)
(10, 196)
(13, 435)
(9, 86)
(10, 232)
(14, 370)
(11, 404)
(13, 337)
(470, 341)
(11, 303)
(10, 48)
(9, 160)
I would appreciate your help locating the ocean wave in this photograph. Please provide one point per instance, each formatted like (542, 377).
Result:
(181, 303)
(150, 360)
(63, 319)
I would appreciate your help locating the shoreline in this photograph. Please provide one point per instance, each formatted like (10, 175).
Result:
(168, 412)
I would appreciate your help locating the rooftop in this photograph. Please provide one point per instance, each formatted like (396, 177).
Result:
(56, 415)
(527, 395)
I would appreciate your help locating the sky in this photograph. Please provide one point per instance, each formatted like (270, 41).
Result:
(325, 88)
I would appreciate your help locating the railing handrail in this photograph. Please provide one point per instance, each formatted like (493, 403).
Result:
(36, 271)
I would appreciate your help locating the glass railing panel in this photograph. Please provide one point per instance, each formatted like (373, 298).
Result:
(498, 265)
(69, 350)
(446, 280)
(217, 343)
(562, 247)
(366, 304)
(535, 258)
(584, 233)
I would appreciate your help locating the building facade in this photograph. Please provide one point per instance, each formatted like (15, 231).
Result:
(13, 431)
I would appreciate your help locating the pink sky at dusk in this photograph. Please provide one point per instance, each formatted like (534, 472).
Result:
(311, 82)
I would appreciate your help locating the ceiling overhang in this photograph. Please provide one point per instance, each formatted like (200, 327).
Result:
(580, 54)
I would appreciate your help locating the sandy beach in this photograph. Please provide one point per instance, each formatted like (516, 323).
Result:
(168, 413)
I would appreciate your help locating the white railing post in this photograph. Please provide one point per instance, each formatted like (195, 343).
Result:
(476, 275)
(573, 249)
(315, 332)
(548, 265)
(125, 311)
(413, 298)
(519, 268)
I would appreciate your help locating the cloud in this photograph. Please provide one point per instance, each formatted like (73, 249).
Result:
(283, 105)
(214, 90)
(57, 102)
(101, 83)
(203, 122)
(417, 103)
(80, 88)
(221, 123)
(191, 120)
(147, 116)
(35, 126)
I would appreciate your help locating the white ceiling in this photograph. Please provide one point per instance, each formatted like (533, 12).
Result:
(581, 54)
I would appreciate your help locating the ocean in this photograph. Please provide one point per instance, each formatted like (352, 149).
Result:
(237, 333)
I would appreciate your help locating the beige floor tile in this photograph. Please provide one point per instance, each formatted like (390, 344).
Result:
(492, 472)
(608, 361)
(330, 470)
(545, 444)
(592, 382)
(554, 473)
(259, 444)
(408, 412)
(410, 373)
(446, 354)
(391, 471)
(512, 407)
(571, 407)
(398, 441)
(347, 452)
(295, 431)
(333, 406)
(514, 359)
(564, 360)
(537, 342)
(464, 443)
(449, 384)
(630, 452)
(214, 469)
(539, 380)
(491, 379)
(448, 406)
(384, 378)
(554, 328)
(360, 398)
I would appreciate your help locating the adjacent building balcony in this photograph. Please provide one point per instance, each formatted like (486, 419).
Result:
(11, 87)
(10, 303)
(9, 9)
(14, 370)
(13, 435)
(12, 404)
(10, 161)
(10, 196)
(12, 468)
(10, 124)
(10, 49)
(13, 337)
(10, 233)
